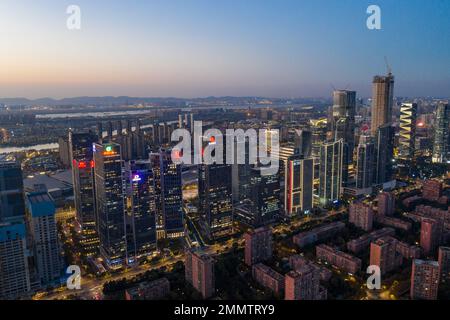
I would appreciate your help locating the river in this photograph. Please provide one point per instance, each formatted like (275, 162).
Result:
(38, 147)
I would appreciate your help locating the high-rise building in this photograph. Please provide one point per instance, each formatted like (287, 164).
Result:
(99, 131)
(241, 173)
(81, 155)
(361, 215)
(14, 269)
(304, 284)
(386, 204)
(109, 195)
(12, 205)
(199, 272)
(215, 199)
(444, 262)
(408, 119)
(264, 197)
(132, 144)
(141, 210)
(441, 145)
(382, 101)
(319, 135)
(339, 135)
(343, 126)
(258, 245)
(64, 151)
(430, 235)
(155, 161)
(299, 184)
(330, 172)
(384, 154)
(46, 249)
(424, 280)
(365, 162)
(303, 143)
(383, 253)
(268, 278)
(432, 190)
(344, 106)
(169, 195)
(119, 128)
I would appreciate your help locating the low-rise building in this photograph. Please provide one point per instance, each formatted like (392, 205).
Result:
(153, 290)
(338, 258)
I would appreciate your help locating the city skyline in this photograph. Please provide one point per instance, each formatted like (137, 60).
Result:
(161, 49)
(314, 160)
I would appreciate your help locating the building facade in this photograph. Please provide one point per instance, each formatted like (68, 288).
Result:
(81, 156)
(110, 203)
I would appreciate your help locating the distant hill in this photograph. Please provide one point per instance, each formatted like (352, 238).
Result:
(108, 100)
(168, 101)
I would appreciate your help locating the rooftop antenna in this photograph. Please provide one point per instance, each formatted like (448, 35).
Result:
(387, 65)
(332, 86)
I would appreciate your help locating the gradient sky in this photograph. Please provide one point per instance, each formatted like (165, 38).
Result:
(190, 48)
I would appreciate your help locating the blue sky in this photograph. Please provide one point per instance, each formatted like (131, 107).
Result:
(189, 48)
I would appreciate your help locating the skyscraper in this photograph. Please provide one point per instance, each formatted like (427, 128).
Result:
(44, 236)
(141, 210)
(14, 272)
(264, 197)
(343, 126)
(169, 196)
(365, 162)
(382, 101)
(408, 118)
(330, 172)
(319, 135)
(81, 155)
(109, 194)
(12, 205)
(384, 153)
(109, 131)
(155, 161)
(424, 280)
(215, 199)
(298, 184)
(344, 106)
(303, 143)
(441, 145)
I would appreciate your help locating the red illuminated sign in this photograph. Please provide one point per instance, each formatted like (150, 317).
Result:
(82, 165)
